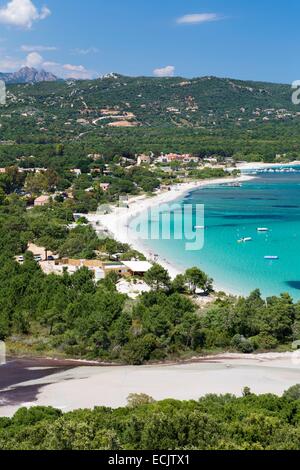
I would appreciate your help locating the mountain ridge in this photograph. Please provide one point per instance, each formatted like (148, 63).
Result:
(28, 75)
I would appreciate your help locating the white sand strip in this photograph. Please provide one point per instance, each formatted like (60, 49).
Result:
(87, 387)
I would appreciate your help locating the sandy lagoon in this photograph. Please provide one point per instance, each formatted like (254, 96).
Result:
(90, 386)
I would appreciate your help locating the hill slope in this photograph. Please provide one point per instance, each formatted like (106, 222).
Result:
(71, 110)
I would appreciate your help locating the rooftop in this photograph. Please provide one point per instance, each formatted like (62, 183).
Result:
(138, 266)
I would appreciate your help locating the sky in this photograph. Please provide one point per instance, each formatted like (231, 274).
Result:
(253, 40)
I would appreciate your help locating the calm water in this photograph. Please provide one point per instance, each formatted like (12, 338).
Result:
(272, 200)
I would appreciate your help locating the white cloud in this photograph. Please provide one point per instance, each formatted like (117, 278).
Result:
(89, 50)
(8, 64)
(34, 59)
(28, 48)
(198, 18)
(76, 71)
(74, 68)
(167, 71)
(68, 70)
(22, 13)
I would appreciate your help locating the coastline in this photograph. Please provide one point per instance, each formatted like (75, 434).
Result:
(261, 165)
(117, 222)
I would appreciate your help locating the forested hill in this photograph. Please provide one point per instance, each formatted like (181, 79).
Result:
(120, 101)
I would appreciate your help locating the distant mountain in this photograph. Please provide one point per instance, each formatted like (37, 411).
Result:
(28, 75)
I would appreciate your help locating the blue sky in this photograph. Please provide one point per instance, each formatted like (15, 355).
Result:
(255, 39)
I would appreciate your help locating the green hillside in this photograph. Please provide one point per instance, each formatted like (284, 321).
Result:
(118, 114)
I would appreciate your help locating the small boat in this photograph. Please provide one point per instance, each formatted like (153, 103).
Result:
(199, 227)
(245, 240)
(272, 257)
(262, 229)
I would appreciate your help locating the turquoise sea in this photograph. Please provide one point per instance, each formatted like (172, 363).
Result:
(271, 200)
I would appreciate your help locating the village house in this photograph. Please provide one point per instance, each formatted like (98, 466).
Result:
(42, 201)
(100, 268)
(75, 171)
(137, 268)
(32, 170)
(105, 186)
(95, 156)
(59, 266)
(143, 159)
(175, 157)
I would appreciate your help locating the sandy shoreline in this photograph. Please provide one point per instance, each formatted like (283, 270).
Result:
(88, 386)
(117, 222)
(261, 166)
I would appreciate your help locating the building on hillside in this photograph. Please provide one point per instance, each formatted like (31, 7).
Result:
(105, 186)
(101, 269)
(95, 156)
(119, 268)
(32, 170)
(2, 170)
(75, 171)
(72, 266)
(41, 200)
(143, 160)
(176, 157)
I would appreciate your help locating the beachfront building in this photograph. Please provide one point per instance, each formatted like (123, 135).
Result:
(137, 268)
(116, 267)
(59, 266)
(124, 269)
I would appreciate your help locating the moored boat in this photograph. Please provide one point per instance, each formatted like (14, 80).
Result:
(245, 240)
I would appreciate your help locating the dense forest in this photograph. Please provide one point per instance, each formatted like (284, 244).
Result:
(265, 422)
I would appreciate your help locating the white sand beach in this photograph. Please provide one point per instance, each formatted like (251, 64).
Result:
(87, 387)
(261, 166)
(117, 222)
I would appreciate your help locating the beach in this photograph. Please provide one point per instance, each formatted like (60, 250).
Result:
(88, 386)
(117, 222)
(262, 166)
